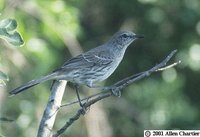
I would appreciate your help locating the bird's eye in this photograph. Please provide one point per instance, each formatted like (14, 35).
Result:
(124, 35)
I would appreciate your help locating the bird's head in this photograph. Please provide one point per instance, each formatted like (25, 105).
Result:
(124, 38)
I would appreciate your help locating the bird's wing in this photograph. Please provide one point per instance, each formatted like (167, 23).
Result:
(89, 59)
(99, 57)
(75, 62)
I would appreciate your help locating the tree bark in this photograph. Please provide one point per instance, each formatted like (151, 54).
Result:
(49, 115)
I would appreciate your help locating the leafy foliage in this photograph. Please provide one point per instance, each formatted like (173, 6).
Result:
(8, 32)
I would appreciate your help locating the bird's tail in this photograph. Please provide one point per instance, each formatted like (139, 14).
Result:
(33, 83)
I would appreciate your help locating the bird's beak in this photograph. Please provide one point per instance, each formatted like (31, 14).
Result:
(138, 36)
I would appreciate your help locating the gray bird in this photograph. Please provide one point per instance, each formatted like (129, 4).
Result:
(92, 66)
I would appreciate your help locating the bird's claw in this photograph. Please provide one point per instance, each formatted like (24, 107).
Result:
(116, 91)
(84, 108)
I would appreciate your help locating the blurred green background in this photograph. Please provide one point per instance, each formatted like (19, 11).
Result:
(56, 30)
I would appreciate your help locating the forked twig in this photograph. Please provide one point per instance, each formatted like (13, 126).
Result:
(115, 89)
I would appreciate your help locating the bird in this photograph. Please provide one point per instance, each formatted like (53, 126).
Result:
(90, 67)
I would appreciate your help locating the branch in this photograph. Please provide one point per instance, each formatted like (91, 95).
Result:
(115, 89)
(49, 115)
(5, 119)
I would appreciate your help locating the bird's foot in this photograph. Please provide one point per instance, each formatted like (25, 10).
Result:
(84, 108)
(115, 90)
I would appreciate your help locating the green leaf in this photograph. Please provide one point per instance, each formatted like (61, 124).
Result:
(3, 78)
(9, 24)
(8, 32)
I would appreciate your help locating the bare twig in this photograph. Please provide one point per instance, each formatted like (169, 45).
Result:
(169, 66)
(116, 90)
(117, 87)
(80, 112)
(5, 119)
(84, 99)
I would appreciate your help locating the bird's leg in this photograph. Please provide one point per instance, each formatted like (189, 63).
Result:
(79, 100)
(77, 93)
(95, 86)
(115, 90)
(90, 85)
